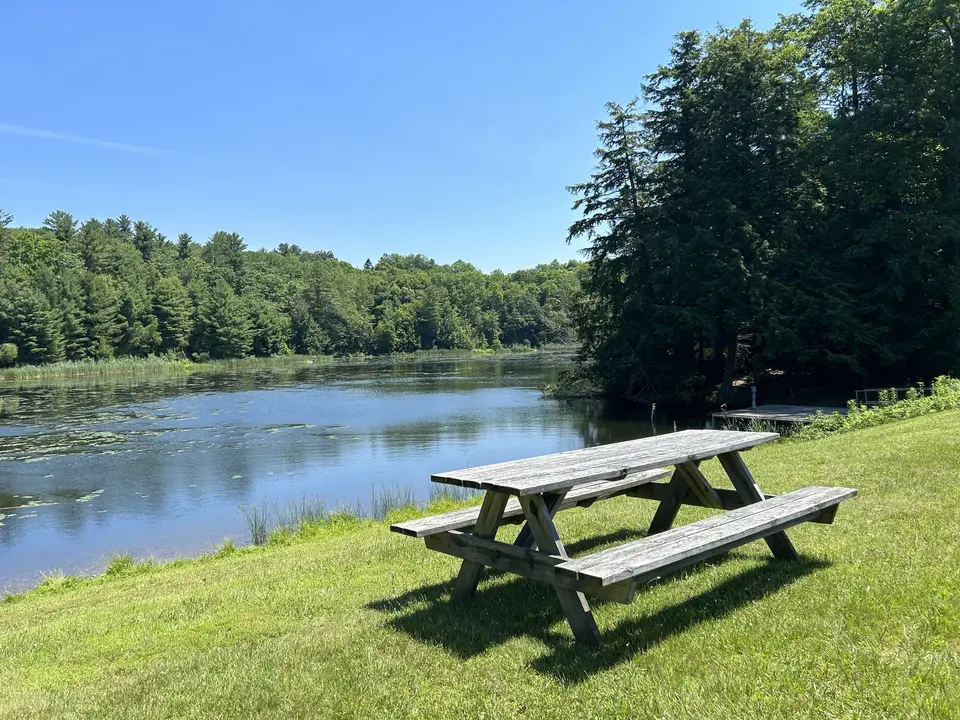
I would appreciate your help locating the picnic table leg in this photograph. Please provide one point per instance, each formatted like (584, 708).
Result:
(486, 527)
(552, 500)
(575, 606)
(667, 510)
(750, 492)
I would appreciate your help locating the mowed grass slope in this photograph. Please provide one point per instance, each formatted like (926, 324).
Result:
(357, 622)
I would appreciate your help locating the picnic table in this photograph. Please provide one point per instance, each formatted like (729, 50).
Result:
(533, 490)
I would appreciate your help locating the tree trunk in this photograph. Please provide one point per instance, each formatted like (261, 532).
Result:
(729, 369)
(716, 365)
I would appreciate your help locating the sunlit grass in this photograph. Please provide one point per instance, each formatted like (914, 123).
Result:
(345, 619)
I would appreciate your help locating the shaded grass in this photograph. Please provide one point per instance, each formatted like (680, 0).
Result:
(346, 619)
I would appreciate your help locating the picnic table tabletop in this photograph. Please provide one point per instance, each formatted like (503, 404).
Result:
(548, 473)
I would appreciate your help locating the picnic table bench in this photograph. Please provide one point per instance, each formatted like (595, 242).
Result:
(533, 490)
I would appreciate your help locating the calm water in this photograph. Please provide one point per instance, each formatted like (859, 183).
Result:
(160, 467)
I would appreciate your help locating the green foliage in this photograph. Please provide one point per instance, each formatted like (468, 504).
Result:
(8, 354)
(788, 200)
(117, 288)
(174, 313)
(944, 395)
(223, 328)
(34, 327)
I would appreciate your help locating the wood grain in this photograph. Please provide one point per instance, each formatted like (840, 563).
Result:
(606, 462)
(695, 541)
(579, 496)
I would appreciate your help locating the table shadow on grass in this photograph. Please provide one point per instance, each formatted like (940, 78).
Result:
(504, 609)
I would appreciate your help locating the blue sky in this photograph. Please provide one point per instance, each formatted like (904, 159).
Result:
(442, 127)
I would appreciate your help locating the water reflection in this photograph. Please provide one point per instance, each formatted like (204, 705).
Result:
(160, 466)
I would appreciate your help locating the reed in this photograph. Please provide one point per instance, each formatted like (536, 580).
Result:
(257, 521)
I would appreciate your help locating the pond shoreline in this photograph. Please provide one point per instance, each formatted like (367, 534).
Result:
(160, 366)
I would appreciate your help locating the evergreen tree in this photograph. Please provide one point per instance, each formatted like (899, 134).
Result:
(225, 252)
(140, 332)
(224, 330)
(145, 239)
(35, 328)
(101, 318)
(270, 328)
(174, 313)
(184, 243)
(62, 225)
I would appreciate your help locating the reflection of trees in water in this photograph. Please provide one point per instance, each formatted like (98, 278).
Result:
(69, 399)
(600, 422)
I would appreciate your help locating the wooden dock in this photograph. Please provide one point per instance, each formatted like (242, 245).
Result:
(775, 413)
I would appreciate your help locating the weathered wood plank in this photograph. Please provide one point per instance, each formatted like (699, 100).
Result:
(528, 563)
(579, 496)
(575, 605)
(487, 523)
(652, 543)
(606, 462)
(747, 487)
(690, 543)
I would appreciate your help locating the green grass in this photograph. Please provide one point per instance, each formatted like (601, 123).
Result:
(346, 619)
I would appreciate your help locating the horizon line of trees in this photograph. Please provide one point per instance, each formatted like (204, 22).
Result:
(117, 288)
(780, 201)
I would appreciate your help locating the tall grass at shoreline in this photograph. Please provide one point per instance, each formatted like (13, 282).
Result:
(170, 366)
(279, 522)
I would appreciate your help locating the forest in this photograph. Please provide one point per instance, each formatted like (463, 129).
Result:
(101, 289)
(782, 201)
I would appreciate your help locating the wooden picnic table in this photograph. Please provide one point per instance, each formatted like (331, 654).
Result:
(533, 490)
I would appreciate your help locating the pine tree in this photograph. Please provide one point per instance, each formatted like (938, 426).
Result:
(140, 332)
(270, 328)
(35, 329)
(102, 321)
(174, 312)
(223, 327)
(145, 239)
(225, 251)
(62, 225)
(184, 243)
(90, 244)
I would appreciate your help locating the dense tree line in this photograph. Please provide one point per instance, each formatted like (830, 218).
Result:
(102, 289)
(781, 201)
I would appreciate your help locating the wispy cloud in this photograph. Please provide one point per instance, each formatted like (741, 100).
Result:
(79, 140)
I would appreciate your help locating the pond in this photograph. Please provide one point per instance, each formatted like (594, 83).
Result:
(160, 467)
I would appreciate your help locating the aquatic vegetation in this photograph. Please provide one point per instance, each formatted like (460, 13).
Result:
(257, 521)
(90, 496)
(389, 499)
(452, 494)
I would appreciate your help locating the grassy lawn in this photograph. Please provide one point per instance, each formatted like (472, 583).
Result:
(357, 622)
